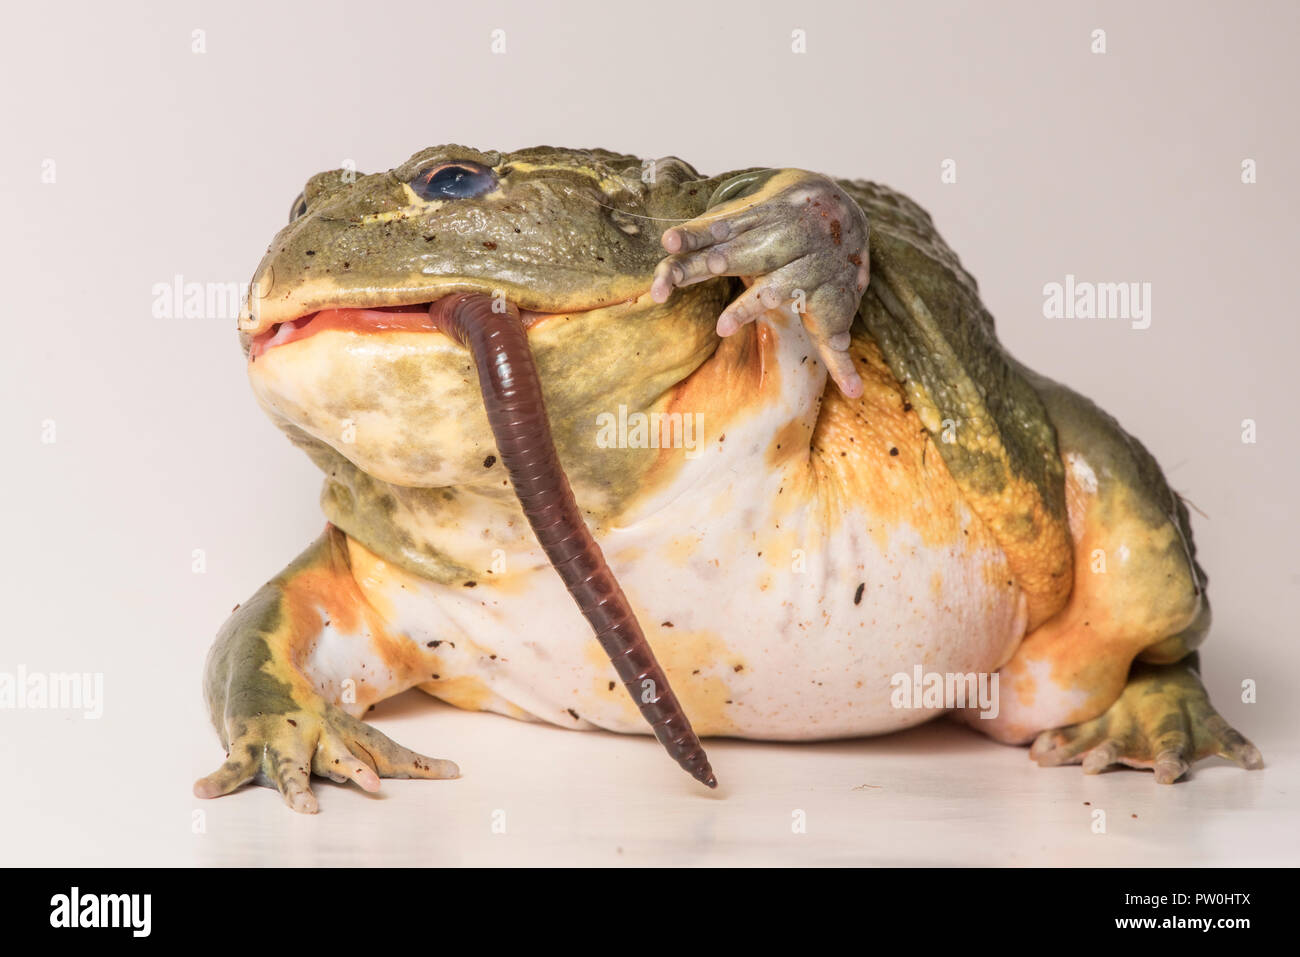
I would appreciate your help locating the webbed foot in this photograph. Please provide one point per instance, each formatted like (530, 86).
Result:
(801, 239)
(1162, 721)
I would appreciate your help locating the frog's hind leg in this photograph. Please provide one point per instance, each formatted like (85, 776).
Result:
(1111, 678)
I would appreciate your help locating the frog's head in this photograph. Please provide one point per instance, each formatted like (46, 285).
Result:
(336, 328)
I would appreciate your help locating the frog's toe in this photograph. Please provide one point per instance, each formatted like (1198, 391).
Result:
(288, 772)
(1229, 743)
(1171, 753)
(336, 761)
(239, 769)
(1066, 745)
(385, 757)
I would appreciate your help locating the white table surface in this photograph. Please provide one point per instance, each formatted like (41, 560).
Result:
(939, 794)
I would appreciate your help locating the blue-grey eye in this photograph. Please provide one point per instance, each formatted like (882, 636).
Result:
(458, 180)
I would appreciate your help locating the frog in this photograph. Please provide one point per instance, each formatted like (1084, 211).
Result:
(786, 417)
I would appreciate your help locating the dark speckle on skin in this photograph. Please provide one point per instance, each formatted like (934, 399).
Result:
(572, 712)
(490, 461)
(893, 451)
(857, 595)
(471, 584)
(666, 624)
(433, 644)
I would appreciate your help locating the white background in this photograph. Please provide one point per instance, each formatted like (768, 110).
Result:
(1115, 167)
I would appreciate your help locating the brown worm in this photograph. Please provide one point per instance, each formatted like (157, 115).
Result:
(512, 394)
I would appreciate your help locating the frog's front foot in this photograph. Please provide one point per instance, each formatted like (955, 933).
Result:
(803, 242)
(1163, 721)
(283, 751)
(277, 727)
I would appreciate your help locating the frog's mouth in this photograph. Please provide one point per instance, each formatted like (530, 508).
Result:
(408, 318)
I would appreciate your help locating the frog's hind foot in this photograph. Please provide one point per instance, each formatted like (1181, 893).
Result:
(1163, 721)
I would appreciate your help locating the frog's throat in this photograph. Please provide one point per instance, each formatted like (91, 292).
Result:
(512, 394)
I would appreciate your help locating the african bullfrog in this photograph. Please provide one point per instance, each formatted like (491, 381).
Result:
(786, 418)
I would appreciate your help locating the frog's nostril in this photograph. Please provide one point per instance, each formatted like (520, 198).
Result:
(250, 315)
(263, 283)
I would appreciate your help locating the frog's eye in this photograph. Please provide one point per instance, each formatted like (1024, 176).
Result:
(299, 207)
(459, 180)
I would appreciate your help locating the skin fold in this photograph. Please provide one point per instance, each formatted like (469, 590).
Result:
(786, 419)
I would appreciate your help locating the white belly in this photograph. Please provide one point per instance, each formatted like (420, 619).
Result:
(798, 642)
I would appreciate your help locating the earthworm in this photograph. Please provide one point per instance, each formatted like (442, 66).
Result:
(512, 395)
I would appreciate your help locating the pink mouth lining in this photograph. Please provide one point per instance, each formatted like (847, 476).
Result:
(412, 318)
